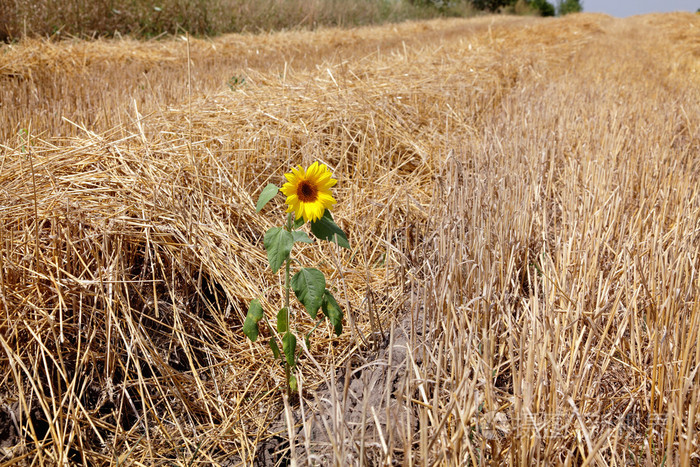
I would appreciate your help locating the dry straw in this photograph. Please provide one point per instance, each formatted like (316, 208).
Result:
(521, 196)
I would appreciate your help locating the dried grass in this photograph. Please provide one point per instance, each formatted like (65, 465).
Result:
(520, 194)
(146, 19)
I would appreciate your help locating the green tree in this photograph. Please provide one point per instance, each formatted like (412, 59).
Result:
(543, 7)
(492, 5)
(569, 6)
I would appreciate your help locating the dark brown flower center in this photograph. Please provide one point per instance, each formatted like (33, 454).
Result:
(307, 192)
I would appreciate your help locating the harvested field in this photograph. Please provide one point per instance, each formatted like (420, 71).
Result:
(522, 201)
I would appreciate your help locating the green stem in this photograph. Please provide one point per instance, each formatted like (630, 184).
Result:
(286, 272)
(287, 285)
(314, 328)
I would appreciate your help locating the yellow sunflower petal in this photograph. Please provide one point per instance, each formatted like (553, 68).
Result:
(312, 212)
(313, 168)
(303, 211)
(297, 172)
(326, 200)
(288, 189)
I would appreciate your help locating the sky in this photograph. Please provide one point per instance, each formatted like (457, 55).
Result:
(622, 8)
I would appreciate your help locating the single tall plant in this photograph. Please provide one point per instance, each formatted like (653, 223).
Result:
(309, 200)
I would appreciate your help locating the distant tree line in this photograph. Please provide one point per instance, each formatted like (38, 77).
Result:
(543, 7)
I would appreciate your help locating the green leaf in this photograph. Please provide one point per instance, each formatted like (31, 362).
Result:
(278, 243)
(250, 325)
(282, 321)
(333, 312)
(326, 229)
(289, 345)
(298, 222)
(275, 348)
(301, 237)
(266, 195)
(308, 285)
(292, 381)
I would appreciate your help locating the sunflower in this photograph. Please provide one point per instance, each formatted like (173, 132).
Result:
(308, 191)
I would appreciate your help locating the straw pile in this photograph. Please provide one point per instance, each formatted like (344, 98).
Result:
(522, 204)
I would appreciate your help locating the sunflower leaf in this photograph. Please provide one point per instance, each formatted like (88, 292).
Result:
(292, 382)
(282, 321)
(275, 348)
(250, 325)
(301, 237)
(278, 243)
(333, 312)
(266, 195)
(298, 222)
(326, 229)
(309, 285)
(289, 345)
